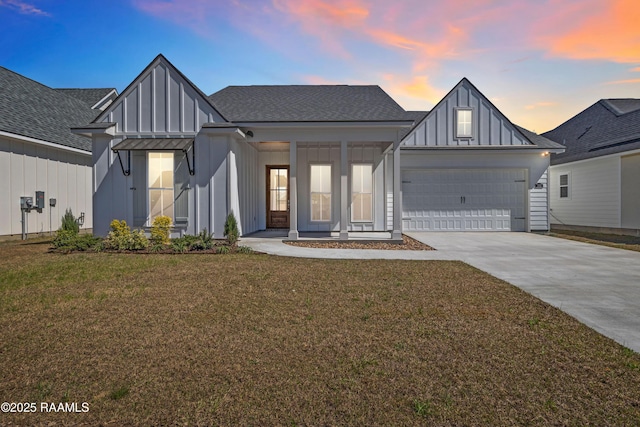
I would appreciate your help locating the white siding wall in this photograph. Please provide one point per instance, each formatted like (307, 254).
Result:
(160, 101)
(539, 205)
(490, 127)
(27, 167)
(243, 180)
(631, 192)
(594, 193)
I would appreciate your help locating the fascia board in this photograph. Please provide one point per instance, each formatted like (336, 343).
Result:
(44, 143)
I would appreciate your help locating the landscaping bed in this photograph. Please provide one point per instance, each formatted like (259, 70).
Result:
(408, 244)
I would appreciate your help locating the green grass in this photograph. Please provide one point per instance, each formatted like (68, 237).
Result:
(247, 339)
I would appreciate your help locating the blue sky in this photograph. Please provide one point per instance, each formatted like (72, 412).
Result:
(539, 61)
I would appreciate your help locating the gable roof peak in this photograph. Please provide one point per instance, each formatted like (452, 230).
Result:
(160, 58)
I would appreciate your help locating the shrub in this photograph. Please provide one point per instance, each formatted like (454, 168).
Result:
(203, 241)
(69, 222)
(245, 250)
(64, 238)
(121, 238)
(68, 241)
(160, 230)
(231, 229)
(180, 245)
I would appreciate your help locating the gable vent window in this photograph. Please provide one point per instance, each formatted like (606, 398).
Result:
(464, 123)
(564, 186)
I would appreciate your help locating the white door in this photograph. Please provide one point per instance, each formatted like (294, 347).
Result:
(464, 199)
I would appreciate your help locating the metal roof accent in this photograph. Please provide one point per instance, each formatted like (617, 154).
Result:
(154, 144)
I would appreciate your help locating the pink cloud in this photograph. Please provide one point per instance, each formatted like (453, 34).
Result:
(23, 8)
(595, 30)
(415, 92)
(541, 104)
(622, 82)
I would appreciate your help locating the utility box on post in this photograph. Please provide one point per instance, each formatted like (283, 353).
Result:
(26, 203)
(39, 201)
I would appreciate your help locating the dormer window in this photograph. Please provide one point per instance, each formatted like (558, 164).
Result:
(464, 123)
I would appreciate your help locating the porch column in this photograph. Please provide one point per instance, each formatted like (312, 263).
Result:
(293, 191)
(397, 198)
(344, 200)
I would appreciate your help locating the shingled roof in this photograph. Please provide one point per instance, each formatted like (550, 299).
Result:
(88, 96)
(31, 109)
(609, 126)
(308, 103)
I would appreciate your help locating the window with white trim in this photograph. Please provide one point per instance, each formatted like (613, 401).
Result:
(161, 184)
(464, 123)
(320, 178)
(362, 193)
(564, 186)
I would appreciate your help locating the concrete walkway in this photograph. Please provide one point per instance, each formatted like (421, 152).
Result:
(597, 285)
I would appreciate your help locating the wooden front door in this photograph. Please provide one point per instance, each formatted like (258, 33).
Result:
(277, 196)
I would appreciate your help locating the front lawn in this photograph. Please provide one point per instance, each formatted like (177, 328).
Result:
(246, 339)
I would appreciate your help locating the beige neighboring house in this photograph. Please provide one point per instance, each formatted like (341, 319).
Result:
(38, 152)
(595, 183)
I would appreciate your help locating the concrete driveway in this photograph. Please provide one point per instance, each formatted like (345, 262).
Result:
(597, 285)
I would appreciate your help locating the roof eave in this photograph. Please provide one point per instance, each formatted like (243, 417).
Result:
(43, 142)
(89, 131)
(322, 123)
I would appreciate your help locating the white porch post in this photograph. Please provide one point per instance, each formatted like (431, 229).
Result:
(293, 191)
(397, 198)
(344, 200)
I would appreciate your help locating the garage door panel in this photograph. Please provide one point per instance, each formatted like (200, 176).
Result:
(448, 200)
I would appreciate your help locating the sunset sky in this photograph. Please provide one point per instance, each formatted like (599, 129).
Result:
(539, 61)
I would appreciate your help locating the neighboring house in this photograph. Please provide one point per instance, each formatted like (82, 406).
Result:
(595, 183)
(310, 158)
(96, 99)
(38, 152)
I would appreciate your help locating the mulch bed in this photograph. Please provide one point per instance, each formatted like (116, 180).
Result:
(408, 244)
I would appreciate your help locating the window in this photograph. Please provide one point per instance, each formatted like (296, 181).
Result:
(160, 184)
(464, 123)
(320, 192)
(278, 188)
(564, 186)
(362, 193)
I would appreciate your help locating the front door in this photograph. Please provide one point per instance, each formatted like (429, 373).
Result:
(277, 196)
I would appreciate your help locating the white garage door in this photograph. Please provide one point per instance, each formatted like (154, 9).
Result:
(467, 199)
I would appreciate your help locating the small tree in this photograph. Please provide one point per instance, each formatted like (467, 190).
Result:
(69, 223)
(231, 229)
